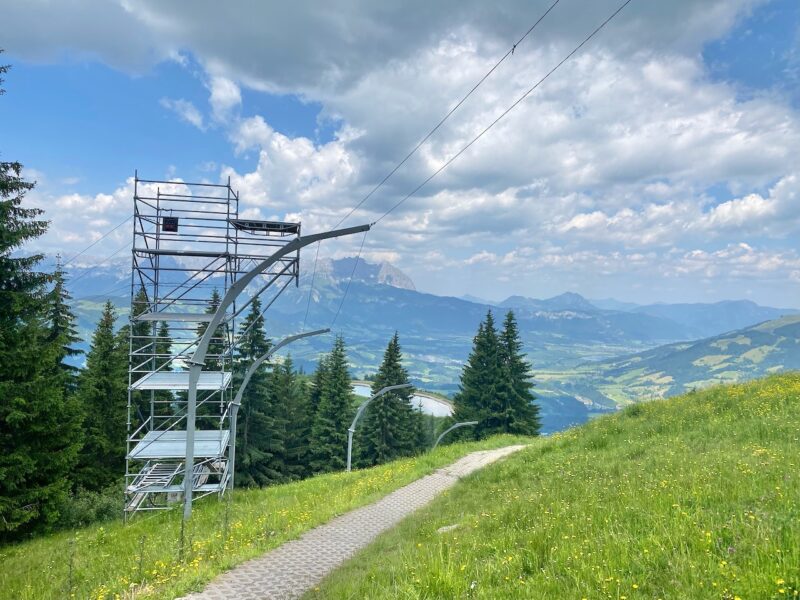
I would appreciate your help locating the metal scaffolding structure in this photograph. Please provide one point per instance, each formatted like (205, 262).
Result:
(189, 246)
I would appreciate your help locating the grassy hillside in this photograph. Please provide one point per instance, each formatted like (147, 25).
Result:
(693, 497)
(769, 347)
(144, 560)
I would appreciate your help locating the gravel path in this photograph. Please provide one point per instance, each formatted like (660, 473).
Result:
(292, 569)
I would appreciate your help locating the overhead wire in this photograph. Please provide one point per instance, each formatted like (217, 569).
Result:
(97, 241)
(110, 256)
(510, 52)
(505, 112)
(487, 128)
(350, 280)
(413, 151)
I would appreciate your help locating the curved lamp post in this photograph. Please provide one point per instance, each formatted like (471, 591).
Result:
(198, 359)
(456, 426)
(360, 411)
(237, 401)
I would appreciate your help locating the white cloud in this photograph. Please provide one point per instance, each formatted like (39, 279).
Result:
(293, 173)
(225, 97)
(606, 169)
(778, 212)
(187, 111)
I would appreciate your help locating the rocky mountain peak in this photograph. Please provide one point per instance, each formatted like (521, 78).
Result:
(381, 273)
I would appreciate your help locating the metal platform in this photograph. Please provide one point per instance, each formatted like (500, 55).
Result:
(179, 381)
(276, 227)
(172, 445)
(175, 316)
(178, 252)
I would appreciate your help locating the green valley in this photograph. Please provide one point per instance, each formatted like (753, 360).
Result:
(769, 347)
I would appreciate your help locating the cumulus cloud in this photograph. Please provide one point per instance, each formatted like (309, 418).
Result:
(293, 173)
(309, 46)
(778, 211)
(630, 159)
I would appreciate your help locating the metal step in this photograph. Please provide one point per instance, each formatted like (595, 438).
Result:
(157, 478)
(179, 380)
(155, 474)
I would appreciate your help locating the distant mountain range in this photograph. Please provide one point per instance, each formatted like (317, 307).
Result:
(562, 335)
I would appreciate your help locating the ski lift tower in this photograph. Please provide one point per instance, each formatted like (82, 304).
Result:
(188, 240)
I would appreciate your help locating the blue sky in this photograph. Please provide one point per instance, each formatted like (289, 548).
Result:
(762, 52)
(659, 164)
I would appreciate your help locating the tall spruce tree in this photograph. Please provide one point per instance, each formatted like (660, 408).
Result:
(422, 429)
(39, 437)
(212, 405)
(485, 393)
(334, 414)
(292, 401)
(318, 384)
(163, 398)
(388, 429)
(261, 428)
(139, 336)
(61, 328)
(217, 344)
(523, 410)
(102, 392)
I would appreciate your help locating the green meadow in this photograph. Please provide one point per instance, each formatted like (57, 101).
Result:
(145, 558)
(693, 497)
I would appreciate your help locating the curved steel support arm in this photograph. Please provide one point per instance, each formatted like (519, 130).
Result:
(456, 426)
(359, 412)
(237, 401)
(381, 392)
(198, 358)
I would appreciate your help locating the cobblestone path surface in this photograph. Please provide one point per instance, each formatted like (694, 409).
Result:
(292, 569)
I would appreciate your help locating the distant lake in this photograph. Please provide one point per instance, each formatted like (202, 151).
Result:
(431, 405)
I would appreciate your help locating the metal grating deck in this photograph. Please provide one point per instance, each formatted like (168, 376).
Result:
(179, 380)
(172, 444)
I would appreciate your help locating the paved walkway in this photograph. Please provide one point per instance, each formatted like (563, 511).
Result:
(292, 569)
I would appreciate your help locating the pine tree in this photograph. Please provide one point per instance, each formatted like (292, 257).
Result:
(485, 393)
(216, 347)
(138, 340)
(524, 412)
(142, 331)
(61, 328)
(214, 360)
(292, 400)
(422, 429)
(102, 391)
(162, 400)
(334, 414)
(387, 430)
(318, 384)
(261, 428)
(39, 438)
(163, 346)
